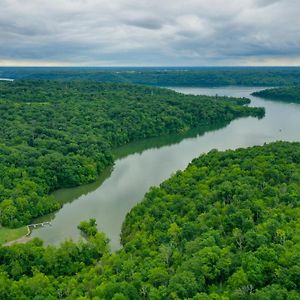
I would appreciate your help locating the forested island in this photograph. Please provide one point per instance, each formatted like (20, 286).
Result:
(225, 228)
(58, 134)
(165, 76)
(287, 94)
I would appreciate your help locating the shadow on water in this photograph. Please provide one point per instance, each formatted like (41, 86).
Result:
(68, 195)
(285, 101)
(158, 142)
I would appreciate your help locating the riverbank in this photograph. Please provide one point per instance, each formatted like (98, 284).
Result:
(9, 236)
(22, 239)
(66, 136)
(132, 175)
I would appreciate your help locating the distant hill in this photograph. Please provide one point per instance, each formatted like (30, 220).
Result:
(198, 77)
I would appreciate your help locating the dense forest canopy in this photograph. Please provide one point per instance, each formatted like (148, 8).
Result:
(201, 77)
(225, 228)
(57, 134)
(287, 94)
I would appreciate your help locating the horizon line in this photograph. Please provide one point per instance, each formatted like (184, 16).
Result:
(155, 66)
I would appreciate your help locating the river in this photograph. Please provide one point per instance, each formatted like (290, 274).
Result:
(142, 165)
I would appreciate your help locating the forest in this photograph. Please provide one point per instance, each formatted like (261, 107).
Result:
(289, 94)
(227, 227)
(184, 76)
(56, 134)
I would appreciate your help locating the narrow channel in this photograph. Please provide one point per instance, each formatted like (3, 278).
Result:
(148, 163)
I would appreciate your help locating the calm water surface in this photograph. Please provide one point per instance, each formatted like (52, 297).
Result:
(148, 163)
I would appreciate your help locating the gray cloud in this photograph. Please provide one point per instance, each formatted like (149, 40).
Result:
(146, 23)
(143, 32)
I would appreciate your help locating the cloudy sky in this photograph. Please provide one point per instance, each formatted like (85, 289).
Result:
(149, 32)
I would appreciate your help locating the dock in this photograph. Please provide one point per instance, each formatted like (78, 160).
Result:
(31, 226)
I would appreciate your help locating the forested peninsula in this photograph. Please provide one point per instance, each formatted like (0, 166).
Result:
(287, 94)
(58, 134)
(225, 228)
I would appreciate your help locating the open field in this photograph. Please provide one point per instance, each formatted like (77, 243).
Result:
(8, 234)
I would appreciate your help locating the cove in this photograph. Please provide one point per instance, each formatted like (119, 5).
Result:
(147, 163)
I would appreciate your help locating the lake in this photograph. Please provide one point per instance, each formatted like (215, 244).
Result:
(147, 163)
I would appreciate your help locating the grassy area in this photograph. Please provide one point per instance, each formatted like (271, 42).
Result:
(8, 234)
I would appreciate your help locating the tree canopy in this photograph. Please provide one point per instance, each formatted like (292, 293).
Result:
(56, 134)
(225, 228)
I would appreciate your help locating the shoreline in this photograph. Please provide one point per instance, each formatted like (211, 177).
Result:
(24, 238)
(118, 153)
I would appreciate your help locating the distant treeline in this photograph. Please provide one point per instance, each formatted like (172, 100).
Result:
(225, 228)
(61, 134)
(288, 94)
(200, 77)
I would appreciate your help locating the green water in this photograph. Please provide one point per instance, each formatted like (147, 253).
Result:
(147, 163)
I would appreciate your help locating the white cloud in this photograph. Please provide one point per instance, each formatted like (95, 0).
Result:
(130, 32)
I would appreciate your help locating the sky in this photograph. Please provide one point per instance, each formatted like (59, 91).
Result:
(149, 32)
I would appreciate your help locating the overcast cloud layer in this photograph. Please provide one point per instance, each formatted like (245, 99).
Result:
(149, 32)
